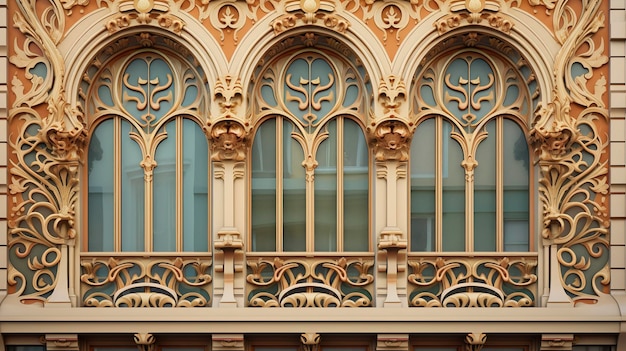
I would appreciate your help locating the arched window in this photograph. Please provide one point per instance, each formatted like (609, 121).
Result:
(310, 162)
(148, 156)
(472, 192)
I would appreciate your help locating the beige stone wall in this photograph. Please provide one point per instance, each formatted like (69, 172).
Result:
(618, 144)
(3, 148)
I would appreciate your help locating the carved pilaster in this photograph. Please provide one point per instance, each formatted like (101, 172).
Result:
(228, 151)
(227, 342)
(390, 142)
(62, 342)
(475, 341)
(145, 342)
(310, 341)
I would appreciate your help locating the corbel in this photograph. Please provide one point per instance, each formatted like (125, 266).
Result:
(475, 341)
(392, 342)
(554, 342)
(61, 342)
(227, 342)
(310, 341)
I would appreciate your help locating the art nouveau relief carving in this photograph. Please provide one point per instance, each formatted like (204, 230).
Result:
(228, 141)
(570, 140)
(48, 136)
(314, 282)
(47, 147)
(391, 141)
(146, 282)
(473, 282)
(144, 12)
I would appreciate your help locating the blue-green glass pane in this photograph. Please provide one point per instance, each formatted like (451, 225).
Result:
(100, 166)
(195, 188)
(516, 188)
(132, 193)
(453, 197)
(264, 187)
(355, 185)
(423, 187)
(326, 192)
(485, 192)
(294, 192)
(164, 192)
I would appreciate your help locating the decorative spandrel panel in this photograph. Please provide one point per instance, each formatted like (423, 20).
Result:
(310, 282)
(132, 281)
(488, 281)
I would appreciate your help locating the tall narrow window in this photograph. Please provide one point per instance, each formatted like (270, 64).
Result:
(310, 162)
(148, 157)
(471, 193)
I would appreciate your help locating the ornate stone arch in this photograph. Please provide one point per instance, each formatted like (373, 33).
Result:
(184, 36)
(567, 131)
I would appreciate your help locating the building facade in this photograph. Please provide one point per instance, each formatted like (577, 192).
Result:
(313, 175)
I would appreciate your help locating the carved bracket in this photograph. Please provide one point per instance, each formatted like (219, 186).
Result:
(310, 341)
(475, 341)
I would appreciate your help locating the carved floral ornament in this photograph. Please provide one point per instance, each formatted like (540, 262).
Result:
(144, 12)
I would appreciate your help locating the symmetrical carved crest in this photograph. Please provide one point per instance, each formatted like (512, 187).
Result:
(229, 95)
(145, 12)
(391, 94)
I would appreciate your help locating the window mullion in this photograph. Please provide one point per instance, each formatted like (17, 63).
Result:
(339, 170)
(279, 184)
(179, 184)
(499, 185)
(438, 184)
(117, 184)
